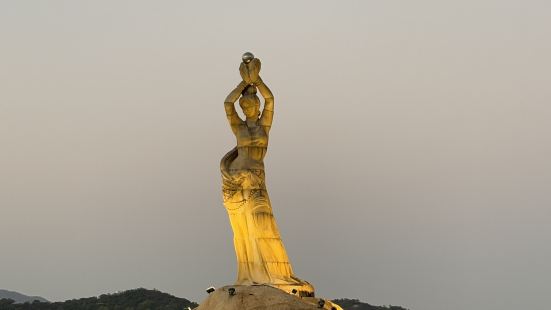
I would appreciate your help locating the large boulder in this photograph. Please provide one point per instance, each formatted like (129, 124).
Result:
(259, 297)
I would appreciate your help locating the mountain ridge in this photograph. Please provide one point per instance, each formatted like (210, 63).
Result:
(141, 299)
(20, 298)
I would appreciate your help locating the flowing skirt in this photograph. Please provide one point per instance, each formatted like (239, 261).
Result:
(261, 256)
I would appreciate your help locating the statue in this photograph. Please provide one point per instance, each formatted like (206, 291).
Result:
(265, 278)
(261, 256)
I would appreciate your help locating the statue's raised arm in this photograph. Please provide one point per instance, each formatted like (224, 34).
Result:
(268, 110)
(229, 105)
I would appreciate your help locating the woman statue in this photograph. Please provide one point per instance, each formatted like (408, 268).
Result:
(261, 256)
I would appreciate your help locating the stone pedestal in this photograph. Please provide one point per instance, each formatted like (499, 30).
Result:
(260, 297)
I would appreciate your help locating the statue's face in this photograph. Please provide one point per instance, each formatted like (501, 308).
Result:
(250, 104)
(251, 112)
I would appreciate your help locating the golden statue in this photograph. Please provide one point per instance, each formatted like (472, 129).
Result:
(261, 256)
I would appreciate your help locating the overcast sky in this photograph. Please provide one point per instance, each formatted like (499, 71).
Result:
(409, 161)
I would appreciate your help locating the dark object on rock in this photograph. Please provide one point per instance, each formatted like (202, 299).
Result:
(355, 304)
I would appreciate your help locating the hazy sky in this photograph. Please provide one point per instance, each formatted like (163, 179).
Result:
(409, 160)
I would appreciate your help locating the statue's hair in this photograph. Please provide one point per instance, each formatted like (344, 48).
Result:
(249, 90)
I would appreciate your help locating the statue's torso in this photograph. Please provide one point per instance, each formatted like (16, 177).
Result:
(252, 144)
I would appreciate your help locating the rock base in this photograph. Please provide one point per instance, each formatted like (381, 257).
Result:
(260, 297)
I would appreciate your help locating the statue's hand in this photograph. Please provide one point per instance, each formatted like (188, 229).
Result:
(250, 71)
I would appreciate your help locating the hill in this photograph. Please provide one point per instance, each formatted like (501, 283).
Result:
(18, 297)
(137, 299)
(142, 299)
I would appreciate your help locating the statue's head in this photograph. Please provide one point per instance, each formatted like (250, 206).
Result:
(249, 102)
